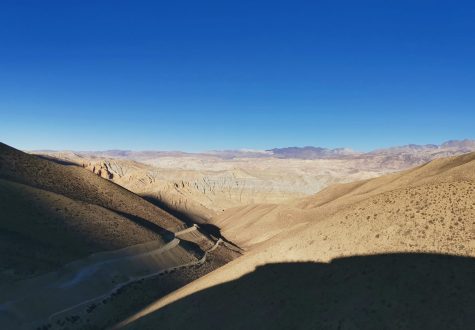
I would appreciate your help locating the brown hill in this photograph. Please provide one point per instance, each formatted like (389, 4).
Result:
(75, 241)
(199, 186)
(270, 219)
(392, 252)
(61, 213)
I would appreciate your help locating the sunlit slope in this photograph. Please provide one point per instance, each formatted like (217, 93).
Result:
(270, 219)
(417, 225)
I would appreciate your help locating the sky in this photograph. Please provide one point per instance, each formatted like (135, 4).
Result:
(213, 75)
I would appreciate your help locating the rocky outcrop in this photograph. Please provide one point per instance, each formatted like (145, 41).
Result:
(101, 169)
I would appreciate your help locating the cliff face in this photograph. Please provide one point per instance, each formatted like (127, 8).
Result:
(101, 169)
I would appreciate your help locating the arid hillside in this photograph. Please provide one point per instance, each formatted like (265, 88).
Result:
(392, 252)
(75, 241)
(201, 186)
(61, 213)
(270, 219)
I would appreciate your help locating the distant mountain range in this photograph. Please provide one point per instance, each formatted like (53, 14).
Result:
(449, 148)
(446, 149)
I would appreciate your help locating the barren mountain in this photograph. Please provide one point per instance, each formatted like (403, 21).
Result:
(200, 186)
(386, 253)
(313, 153)
(71, 240)
(367, 253)
(50, 204)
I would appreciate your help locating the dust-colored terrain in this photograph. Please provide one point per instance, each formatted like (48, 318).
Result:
(70, 240)
(63, 212)
(387, 253)
(81, 252)
(201, 186)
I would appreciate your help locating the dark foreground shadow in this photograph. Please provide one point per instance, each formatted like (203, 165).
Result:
(392, 291)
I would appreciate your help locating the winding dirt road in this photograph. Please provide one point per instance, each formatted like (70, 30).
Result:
(50, 296)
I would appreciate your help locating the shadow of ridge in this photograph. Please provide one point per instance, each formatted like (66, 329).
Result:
(162, 232)
(190, 219)
(215, 231)
(57, 160)
(389, 291)
(146, 224)
(187, 218)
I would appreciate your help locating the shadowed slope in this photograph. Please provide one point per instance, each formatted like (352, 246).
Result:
(72, 240)
(41, 230)
(393, 291)
(52, 214)
(78, 184)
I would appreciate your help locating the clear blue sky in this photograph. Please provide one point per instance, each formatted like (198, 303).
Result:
(200, 75)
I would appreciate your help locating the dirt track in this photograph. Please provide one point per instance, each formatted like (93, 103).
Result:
(95, 277)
